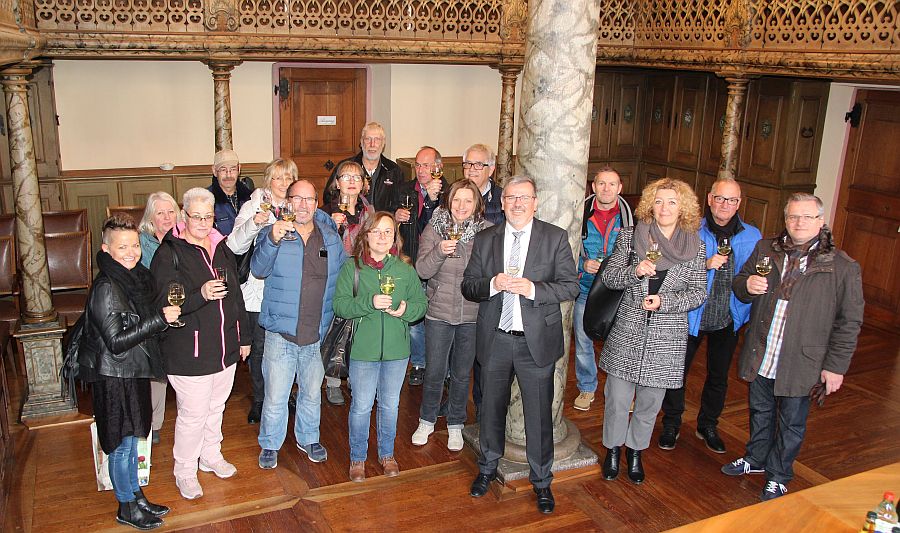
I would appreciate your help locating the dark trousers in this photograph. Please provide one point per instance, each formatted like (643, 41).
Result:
(719, 352)
(257, 345)
(777, 427)
(453, 346)
(509, 357)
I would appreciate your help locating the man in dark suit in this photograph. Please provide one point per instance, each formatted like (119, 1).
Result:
(519, 272)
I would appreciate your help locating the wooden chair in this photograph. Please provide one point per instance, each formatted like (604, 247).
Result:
(9, 289)
(8, 225)
(134, 211)
(69, 261)
(65, 221)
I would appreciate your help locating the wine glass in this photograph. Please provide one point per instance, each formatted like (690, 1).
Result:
(387, 285)
(407, 203)
(437, 171)
(287, 214)
(653, 255)
(764, 265)
(724, 248)
(512, 270)
(454, 233)
(265, 203)
(176, 297)
(344, 203)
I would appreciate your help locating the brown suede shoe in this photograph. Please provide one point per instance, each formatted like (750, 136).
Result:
(391, 468)
(357, 471)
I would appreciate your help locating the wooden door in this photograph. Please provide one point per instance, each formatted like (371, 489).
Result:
(624, 137)
(321, 117)
(764, 133)
(867, 221)
(714, 126)
(658, 117)
(600, 116)
(687, 120)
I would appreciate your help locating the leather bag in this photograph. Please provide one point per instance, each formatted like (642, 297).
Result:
(335, 347)
(602, 305)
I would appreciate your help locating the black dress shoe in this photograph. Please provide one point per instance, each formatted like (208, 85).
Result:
(255, 413)
(711, 436)
(545, 501)
(668, 437)
(611, 464)
(481, 484)
(635, 467)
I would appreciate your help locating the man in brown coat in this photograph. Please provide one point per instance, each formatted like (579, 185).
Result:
(805, 317)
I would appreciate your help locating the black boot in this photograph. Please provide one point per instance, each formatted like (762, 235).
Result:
(635, 467)
(132, 515)
(611, 464)
(147, 507)
(255, 413)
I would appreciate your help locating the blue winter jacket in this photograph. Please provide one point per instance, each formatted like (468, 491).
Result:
(742, 245)
(281, 266)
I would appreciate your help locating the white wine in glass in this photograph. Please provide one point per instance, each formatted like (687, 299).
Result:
(407, 203)
(176, 297)
(437, 171)
(265, 204)
(387, 285)
(512, 270)
(653, 255)
(454, 233)
(764, 265)
(344, 202)
(288, 215)
(724, 247)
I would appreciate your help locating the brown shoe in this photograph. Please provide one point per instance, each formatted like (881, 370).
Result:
(391, 468)
(357, 471)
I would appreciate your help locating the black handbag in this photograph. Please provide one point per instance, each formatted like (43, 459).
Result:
(601, 306)
(243, 265)
(335, 347)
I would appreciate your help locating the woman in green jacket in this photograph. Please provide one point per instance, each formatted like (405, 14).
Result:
(388, 298)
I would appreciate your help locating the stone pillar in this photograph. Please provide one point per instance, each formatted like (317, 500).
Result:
(221, 69)
(38, 333)
(508, 75)
(731, 131)
(554, 135)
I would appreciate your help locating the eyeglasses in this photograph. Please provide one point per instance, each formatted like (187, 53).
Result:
(303, 199)
(201, 218)
(804, 218)
(477, 165)
(524, 198)
(381, 232)
(228, 170)
(284, 178)
(722, 199)
(373, 140)
(350, 178)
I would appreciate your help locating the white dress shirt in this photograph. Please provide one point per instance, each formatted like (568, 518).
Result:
(524, 239)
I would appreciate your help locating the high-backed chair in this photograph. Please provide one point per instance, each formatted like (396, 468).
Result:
(69, 260)
(9, 289)
(134, 211)
(65, 221)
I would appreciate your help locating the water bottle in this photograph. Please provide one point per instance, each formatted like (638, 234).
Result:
(886, 510)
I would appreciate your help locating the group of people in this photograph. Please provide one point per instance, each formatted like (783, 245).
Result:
(456, 283)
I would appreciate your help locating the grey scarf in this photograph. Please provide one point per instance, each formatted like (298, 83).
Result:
(682, 247)
(441, 221)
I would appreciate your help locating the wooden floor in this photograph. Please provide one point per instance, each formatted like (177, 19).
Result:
(52, 485)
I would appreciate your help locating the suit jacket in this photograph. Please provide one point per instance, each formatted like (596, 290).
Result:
(550, 265)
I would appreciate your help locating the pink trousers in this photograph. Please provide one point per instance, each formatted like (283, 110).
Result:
(198, 424)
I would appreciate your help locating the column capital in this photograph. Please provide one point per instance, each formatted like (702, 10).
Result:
(222, 66)
(19, 72)
(508, 70)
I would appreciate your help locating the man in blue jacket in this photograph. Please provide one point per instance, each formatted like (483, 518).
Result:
(719, 318)
(296, 313)
(605, 214)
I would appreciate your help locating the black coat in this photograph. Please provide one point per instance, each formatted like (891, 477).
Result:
(410, 232)
(123, 345)
(381, 193)
(210, 342)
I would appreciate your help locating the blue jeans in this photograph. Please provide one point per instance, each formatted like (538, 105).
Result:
(417, 344)
(440, 338)
(123, 469)
(777, 428)
(585, 358)
(371, 379)
(285, 362)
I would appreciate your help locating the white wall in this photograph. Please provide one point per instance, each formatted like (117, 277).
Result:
(143, 113)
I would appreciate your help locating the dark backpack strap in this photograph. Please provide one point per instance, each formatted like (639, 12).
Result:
(355, 279)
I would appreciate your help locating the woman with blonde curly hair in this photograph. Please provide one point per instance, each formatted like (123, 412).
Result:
(661, 265)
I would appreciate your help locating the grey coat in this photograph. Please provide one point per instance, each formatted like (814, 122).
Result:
(651, 353)
(444, 275)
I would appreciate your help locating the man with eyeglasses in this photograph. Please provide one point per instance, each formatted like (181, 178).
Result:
(805, 317)
(414, 203)
(479, 163)
(383, 176)
(606, 213)
(229, 191)
(519, 272)
(296, 312)
(718, 319)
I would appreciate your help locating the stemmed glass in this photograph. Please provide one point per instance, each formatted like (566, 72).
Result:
(764, 265)
(386, 284)
(437, 171)
(344, 207)
(724, 248)
(265, 203)
(287, 214)
(407, 203)
(512, 270)
(653, 255)
(176, 297)
(454, 233)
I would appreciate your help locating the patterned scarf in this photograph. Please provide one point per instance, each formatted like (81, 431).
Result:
(681, 247)
(441, 220)
(795, 253)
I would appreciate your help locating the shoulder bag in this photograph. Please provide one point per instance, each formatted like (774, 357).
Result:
(336, 345)
(602, 305)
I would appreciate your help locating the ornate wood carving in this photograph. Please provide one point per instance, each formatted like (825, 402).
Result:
(221, 15)
(514, 20)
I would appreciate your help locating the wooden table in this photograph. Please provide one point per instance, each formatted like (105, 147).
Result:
(839, 505)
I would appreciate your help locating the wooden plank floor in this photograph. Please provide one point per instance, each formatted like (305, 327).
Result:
(51, 487)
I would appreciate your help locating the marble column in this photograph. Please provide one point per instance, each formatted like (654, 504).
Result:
(221, 70)
(731, 131)
(554, 134)
(508, 75)
(39, 333)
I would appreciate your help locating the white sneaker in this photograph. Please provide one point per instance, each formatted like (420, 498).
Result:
(189, 487)
(455, 440)
(420, 437)
(222, 469)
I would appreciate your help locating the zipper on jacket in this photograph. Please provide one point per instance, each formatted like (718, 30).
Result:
(196, 344)
(381, 357)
